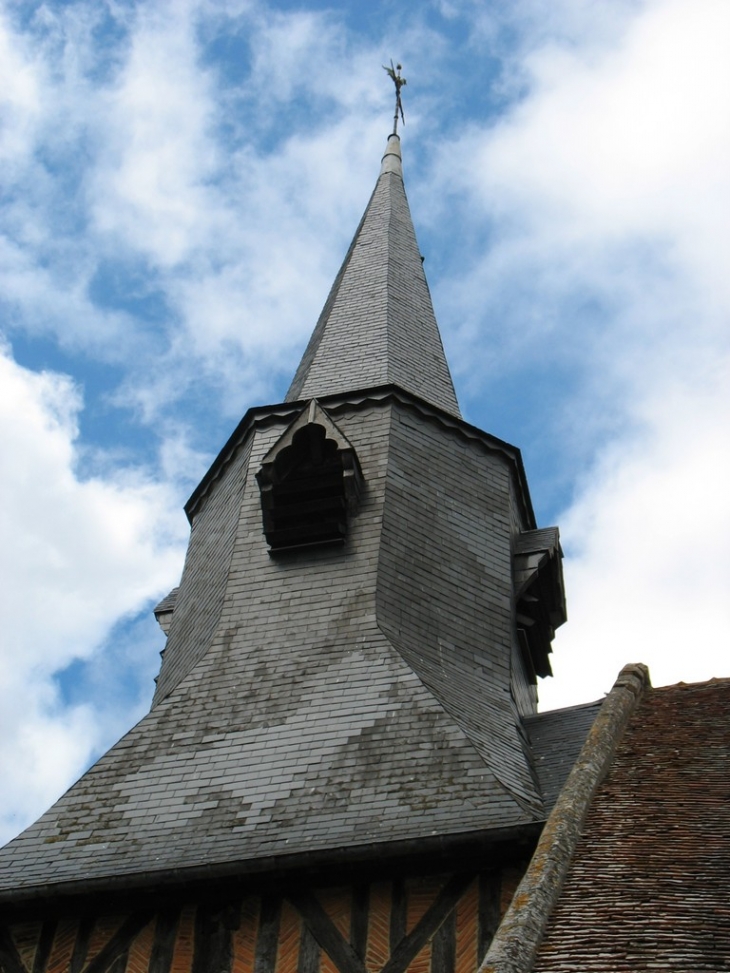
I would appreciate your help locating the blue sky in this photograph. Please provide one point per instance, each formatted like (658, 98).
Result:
(180, 181)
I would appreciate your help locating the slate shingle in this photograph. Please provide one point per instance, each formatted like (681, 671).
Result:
(557, 737)
(378, 326)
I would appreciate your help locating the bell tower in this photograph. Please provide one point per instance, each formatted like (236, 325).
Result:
(335, 773)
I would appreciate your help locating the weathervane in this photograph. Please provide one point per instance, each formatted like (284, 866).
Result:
(394, 73)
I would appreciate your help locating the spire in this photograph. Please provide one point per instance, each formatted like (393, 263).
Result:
(378, 326)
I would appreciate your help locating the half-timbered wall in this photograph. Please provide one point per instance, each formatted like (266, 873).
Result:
(433, 924)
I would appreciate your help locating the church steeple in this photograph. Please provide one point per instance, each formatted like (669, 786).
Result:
(354, 646)
(378, 326)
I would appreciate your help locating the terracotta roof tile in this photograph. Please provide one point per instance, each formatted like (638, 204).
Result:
(649, 885)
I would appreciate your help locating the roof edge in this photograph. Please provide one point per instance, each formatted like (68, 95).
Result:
(163, 880)
(359, 397)
(518, 938)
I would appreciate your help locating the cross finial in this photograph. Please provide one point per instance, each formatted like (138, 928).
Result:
(398, 81)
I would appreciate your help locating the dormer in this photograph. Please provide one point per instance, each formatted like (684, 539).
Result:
(163, 611)
(310, 484)
(539, 596)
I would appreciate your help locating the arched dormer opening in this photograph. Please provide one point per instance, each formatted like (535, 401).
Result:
(310, 484)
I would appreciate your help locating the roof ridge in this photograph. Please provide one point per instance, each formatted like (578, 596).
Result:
(521, 930)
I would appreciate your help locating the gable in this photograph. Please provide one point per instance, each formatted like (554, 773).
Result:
(310, 483)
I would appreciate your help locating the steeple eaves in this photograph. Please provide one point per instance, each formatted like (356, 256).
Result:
(378, 325)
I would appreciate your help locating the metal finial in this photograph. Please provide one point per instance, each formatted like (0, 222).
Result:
(398, 81)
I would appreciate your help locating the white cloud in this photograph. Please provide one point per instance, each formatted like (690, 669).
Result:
(19, 98)
(647, 545)
(77, 556)
(608, 187)
(163, 167)
(149, 187)
(633, 142)
(226, 231)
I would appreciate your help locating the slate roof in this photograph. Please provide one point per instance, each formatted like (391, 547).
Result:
(557, 737)
(648, 885)
(289, 724)
(357, 754)
(378, 326)
(336, 698)
(167, 604)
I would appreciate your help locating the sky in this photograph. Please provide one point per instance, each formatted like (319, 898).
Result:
(179, 182)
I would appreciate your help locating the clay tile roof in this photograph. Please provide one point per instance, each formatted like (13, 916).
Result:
(648, 888)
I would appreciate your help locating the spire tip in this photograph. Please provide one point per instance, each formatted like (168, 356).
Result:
(395, 74)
